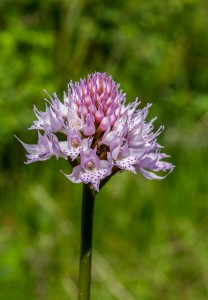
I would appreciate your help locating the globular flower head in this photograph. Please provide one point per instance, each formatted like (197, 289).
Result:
(101, 135)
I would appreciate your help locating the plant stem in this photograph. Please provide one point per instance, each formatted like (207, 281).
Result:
(86, 242)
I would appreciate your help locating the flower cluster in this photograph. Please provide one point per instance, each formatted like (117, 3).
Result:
(97, 133)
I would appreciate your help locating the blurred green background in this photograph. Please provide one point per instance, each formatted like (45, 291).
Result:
(150, 237)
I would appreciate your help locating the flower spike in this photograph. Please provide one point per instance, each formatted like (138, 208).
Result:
(97, 133)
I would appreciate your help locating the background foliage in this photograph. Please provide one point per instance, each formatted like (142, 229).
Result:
(150, 238)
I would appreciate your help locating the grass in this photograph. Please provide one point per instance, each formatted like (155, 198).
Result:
(150, 237)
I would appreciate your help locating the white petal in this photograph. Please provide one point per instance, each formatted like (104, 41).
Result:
(75, 175)
(151, 175)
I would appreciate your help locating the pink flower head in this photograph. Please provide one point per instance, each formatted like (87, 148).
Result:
(100, 134)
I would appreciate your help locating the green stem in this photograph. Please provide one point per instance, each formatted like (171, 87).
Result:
(86, 242)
